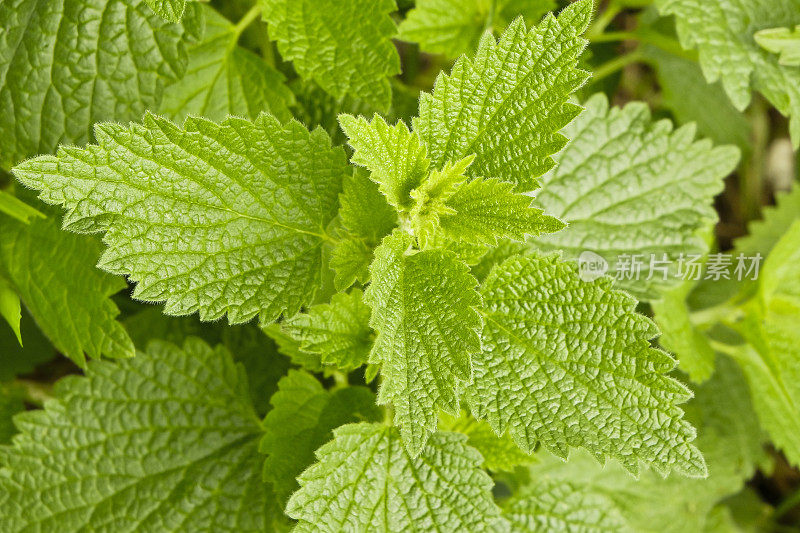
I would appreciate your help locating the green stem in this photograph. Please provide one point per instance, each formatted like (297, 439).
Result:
(786, 505)
(718, 314)
(247, 19)
(340, 378)
(667, 44)
(727, 349)
(616, 64)
(604, 19)
(752, 174)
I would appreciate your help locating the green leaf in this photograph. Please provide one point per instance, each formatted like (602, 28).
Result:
(364, 211)
(54, 274)
(507, 104)
(225, 79)
(598, 498)
(338, 331)
(302, 419)
(66, 65)
(10, 308)
(343, 45)
(560, 505)
(423, 310)
(771, 359)
(366, 218)
(724, 34)
(394, 155)
(183, 441)
(171, 10)
(781, 41)
(454, 27)
(216, 218)
(18, 209)
(365, 480)
(485, 209)
(499, 453)
(290, 347)
(630, 186)
(350, 261)
(568, 363)
(709, 107)
(763, 235)
(679, 336)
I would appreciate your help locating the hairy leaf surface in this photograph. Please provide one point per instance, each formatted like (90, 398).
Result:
(216, 218)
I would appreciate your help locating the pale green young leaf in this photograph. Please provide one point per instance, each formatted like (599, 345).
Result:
(16, 208)
(365, 480)
(69, 64)
(395, 156)
(771, 359)
(729, 437)
(499, 453)
(724, 34)
(484, 210)
(423, 312)
(783, 41)
(301, 420)
(454, 27)
(184, 438)
(568, 363)
(343, 45)
(507, 104)
(430, 199)
(224, 79)
(216, 218)
(54, 274)
(338, 331)
(633, 188)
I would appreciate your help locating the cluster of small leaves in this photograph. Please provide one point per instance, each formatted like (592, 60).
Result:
(440, 325)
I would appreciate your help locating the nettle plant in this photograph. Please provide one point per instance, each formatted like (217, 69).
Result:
(434, 359)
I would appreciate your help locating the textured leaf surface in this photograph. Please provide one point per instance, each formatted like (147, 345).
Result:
(422, 308)
(568, 363)
(782, 41)
(592, 494)
(394, 156)
(54, 274)
(485, 209)
(507, 104)
(302, 418)
(171, 10)
(454, 27)
(772, 364)
(343, 45)
(67, 64)
(225, 79)
(366, 481)
(499, 453)
(724, 34)
(366, 218)
(339, 331)
(166, 441)
(216, 218)
(628, 185)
